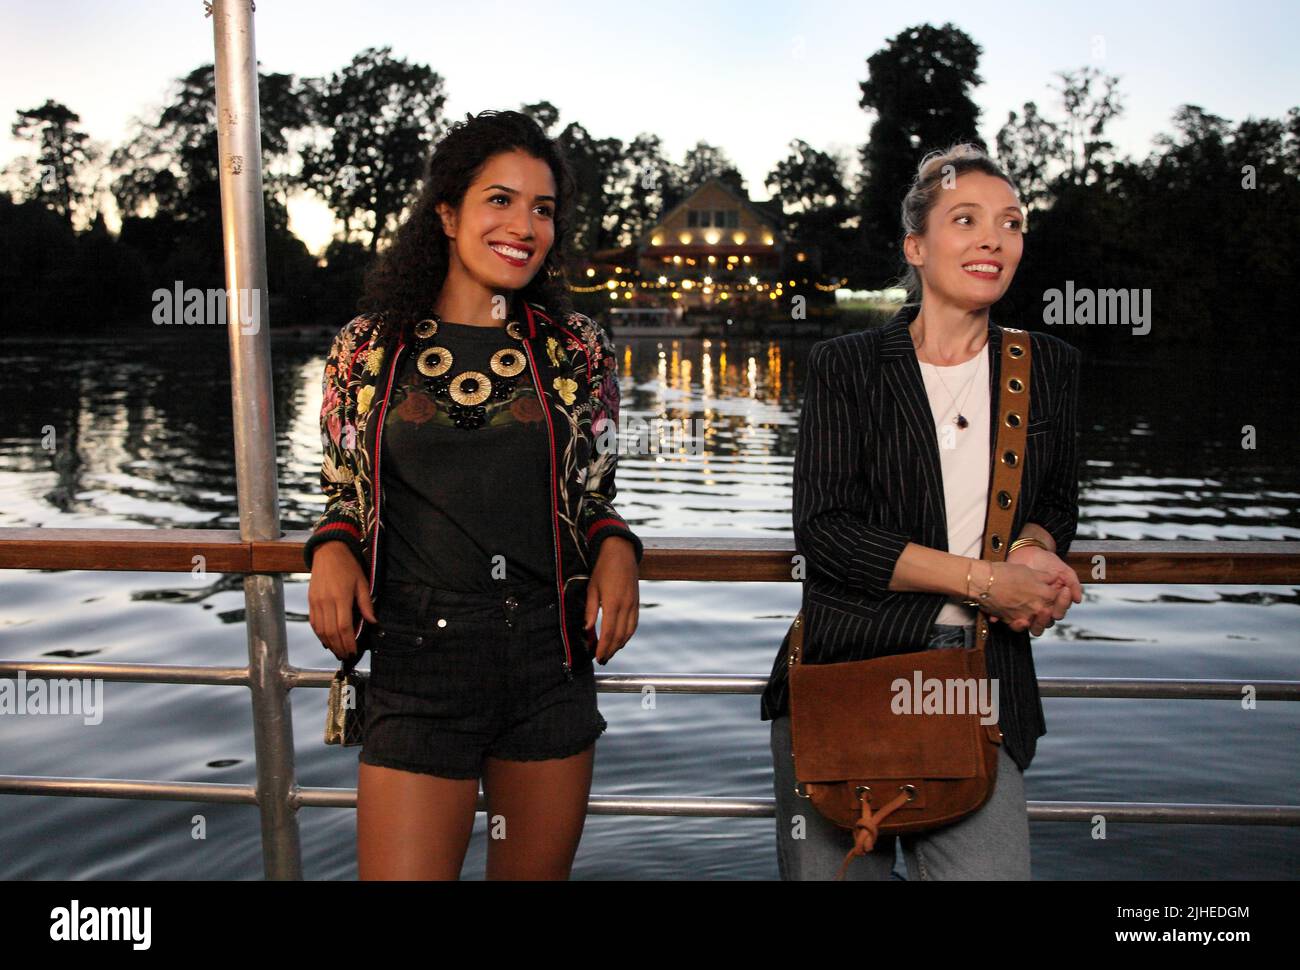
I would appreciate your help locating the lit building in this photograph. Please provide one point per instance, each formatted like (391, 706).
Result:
(714, 250)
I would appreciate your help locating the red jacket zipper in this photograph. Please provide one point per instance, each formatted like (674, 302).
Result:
(379, 431)
(555, 521)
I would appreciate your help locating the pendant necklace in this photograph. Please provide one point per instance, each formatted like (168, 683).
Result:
(960, 420)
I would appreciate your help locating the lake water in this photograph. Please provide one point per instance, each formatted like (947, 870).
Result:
(144, 441)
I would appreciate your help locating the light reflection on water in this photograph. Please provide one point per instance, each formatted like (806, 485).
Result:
(143, 440)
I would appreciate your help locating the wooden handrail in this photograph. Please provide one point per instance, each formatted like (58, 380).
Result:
(695, 558)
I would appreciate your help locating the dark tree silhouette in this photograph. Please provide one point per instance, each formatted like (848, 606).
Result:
(382, 115)
(1028, 148)
(543, 112)
(593, 162)
(63, 154)
(645, 185)
(706, 161)
(1091, 101)
(171, 165)
(918, 87)
(817, 205)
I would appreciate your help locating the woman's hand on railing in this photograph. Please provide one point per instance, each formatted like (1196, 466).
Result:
(1069, 592)
(614, 589)
(338, 585)
(1020, 596)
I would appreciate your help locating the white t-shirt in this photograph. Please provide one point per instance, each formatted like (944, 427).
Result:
(964, 459)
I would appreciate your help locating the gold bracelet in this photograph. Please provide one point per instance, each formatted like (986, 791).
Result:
(1028, 541)
(985, 595)
(970, 601)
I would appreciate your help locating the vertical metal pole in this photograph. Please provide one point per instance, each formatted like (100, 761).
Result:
(243, 229)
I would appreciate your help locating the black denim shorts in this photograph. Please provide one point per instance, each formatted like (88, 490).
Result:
(456, 676)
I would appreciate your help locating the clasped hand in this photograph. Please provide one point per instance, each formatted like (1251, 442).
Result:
(1031, 590)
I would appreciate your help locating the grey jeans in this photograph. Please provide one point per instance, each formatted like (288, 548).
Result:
(990, 843)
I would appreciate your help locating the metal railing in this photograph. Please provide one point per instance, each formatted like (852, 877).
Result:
(752, 560)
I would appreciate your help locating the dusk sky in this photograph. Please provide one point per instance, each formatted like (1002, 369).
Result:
(747, 77)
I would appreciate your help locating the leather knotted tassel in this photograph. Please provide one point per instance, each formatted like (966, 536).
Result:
(867, 827)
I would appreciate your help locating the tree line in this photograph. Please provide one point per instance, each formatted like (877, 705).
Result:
(1205, 221)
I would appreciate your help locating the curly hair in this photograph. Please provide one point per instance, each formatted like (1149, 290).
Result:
(925, 191)
(404, 281)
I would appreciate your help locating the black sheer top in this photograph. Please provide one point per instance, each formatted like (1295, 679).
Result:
(466, 465)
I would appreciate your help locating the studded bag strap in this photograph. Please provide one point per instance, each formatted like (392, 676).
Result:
(1008, 457)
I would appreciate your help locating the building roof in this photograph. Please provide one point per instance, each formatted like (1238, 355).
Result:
(768, 212)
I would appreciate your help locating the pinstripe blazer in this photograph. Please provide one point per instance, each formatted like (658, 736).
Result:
(867, 481)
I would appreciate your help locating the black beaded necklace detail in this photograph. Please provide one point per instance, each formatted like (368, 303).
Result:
(467, 391)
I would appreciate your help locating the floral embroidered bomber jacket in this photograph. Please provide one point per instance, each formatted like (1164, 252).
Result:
(571, 362)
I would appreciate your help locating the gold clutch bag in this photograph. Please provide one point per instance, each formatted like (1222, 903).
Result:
(346, 712)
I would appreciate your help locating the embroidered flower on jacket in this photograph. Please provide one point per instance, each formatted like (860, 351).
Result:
(567, 387)
(330, 401)
(551, 350)
(333, 471)
(363, 398)
(373, 360)
(609, 393)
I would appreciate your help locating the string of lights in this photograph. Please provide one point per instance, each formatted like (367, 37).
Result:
(707, 286)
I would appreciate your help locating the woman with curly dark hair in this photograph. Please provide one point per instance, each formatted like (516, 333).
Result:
(487, 407)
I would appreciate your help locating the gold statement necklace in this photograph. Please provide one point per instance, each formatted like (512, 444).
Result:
(468, 390)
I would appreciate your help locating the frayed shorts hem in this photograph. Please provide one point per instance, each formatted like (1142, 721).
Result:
(464, 774)
(455, 774)
(553, 753)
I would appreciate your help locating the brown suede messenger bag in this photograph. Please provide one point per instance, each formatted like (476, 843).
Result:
(872, 770)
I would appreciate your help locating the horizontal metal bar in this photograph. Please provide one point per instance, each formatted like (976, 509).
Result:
(1173, 813)
(1264, 690)
(177, 791)
(1168, 689)
(695, 807)
(706, 807)
(128, 672)
(693, 558)
(608, 683)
